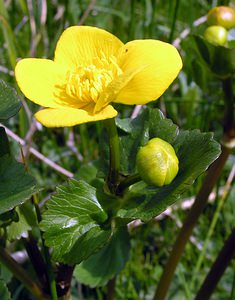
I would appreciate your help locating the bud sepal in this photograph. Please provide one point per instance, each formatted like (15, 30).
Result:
(157, 162)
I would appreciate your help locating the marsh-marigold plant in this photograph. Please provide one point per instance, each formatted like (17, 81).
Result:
(91, 69)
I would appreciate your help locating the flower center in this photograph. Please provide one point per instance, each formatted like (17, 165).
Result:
(85, 84)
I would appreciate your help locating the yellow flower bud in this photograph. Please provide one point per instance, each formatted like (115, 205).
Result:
(157, 162)
(222, 16)
(216, 35)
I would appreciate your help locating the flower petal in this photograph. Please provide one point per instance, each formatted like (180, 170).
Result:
(51, 117)
(158, 63)
(39, 80)
(79, 45)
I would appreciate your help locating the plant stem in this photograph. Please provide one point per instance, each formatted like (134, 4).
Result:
(111, 289)
(63, 279)
(229, 103)
(218, 268)
(191, 220)
(114, 165)
(213, 224)
(50, 274)
(21, 275)
(128, 182)
(37, 260)
(174, 21)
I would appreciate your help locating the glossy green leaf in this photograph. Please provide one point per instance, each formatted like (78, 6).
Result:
(220, 60)
(99, 268)
(195, 151)
(9, 101)
(72, 223)
(149, 124)
(16, 185)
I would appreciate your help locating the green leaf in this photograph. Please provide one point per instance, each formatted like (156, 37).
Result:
(9, 101)
(220, 60)
(196, 151)
(72, 223)
(149, 124)
(16, 186)
(86, 172)
(27, 220)
(99, 268)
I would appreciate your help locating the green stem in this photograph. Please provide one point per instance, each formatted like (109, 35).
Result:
(128, 182)
(210, 232)
(229, 103)
(218, 268)
(174, 20)
(132, 25)
(21, 275)
(50, 274)
(114, 165)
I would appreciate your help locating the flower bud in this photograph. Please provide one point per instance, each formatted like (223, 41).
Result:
(216, 35)
(157, 162)
(222, 16)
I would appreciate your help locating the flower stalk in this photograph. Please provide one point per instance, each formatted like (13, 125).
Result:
(113, 176)
(50, 274)
(224, 258)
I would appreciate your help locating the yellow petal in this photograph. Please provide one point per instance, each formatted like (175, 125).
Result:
(39, 80)
(158, 63)
(51, 117)
(79, 45)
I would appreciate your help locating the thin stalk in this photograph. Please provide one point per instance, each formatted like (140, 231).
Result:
(132, 25)
(36, 259)
(50, 274)
(111, 289)
(213, 224)
(189, 224)
(21, 275)
(63, 280)
(114, 165)
(229, 104)
(232, 297)
(224, 258)
(174, 20)
(128, 182)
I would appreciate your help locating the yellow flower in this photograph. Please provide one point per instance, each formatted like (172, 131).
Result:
(91, 69)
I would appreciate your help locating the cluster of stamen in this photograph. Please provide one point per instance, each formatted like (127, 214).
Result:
(87, 83)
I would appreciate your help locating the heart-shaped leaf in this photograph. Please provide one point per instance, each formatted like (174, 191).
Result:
(72, 223)
(195, 151)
